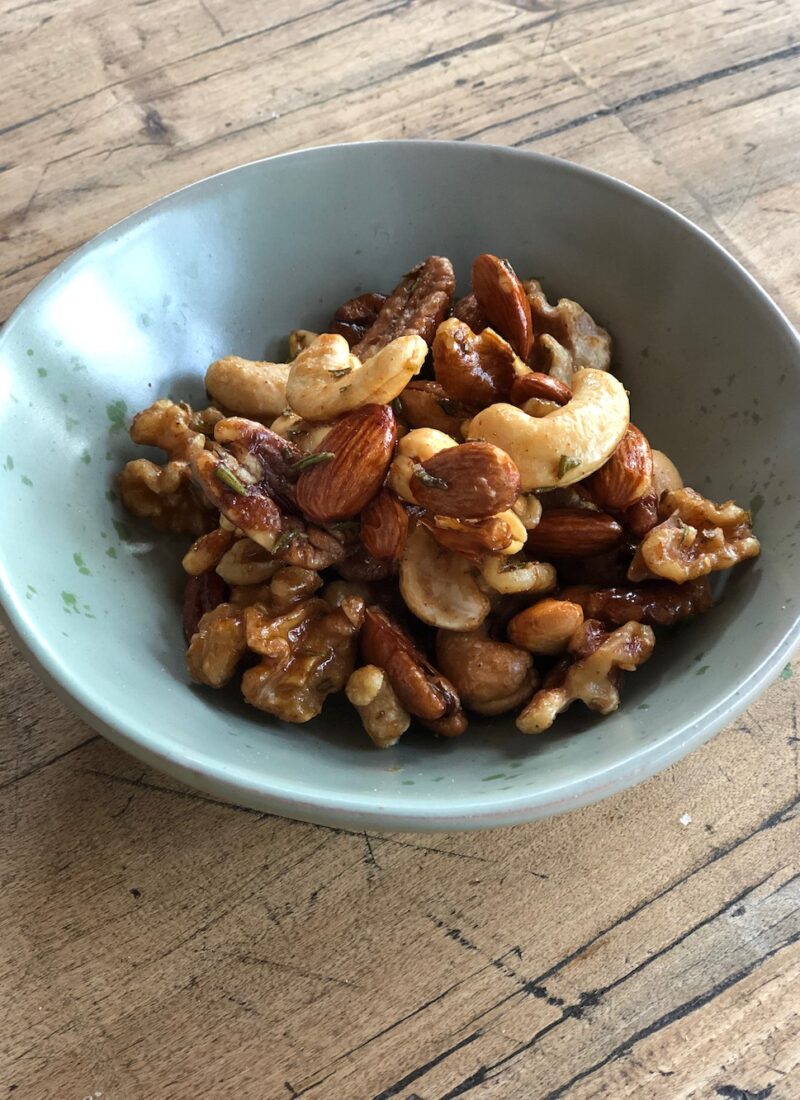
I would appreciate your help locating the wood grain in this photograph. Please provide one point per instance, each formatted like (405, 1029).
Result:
(157, 944)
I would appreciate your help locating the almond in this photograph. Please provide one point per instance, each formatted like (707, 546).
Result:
(503, 301)
(353, 461)
(627, 475)
(542, 386)
(471, 481)
(573, 533)
(473, 538)
(384, 527)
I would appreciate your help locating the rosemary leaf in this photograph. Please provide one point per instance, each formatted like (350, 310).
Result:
(228, 478)
(567, 463)
(313, 460)
(429, 480)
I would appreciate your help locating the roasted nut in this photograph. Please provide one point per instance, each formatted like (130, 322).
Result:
(384, 527)
(568, 444)
(467, 310)
(658, 604)
(626, 476)
(665, 474)
(420, 688)
(474, 369)
(201, 594)
(165, 496)
(381, 713)
(416, 447)
(337, 592)
(573, 533)
(218, 644)
(352, 464)
(299, 340)
(361, 568)
(355, 316)
(206, 552)
(306, 654)
(247, 388)
(642, 515)
(535, 384)
(306, 436)
(473, 538)
(551, 358)
(247, 563)
(176, 429)
(491, 677)
(588, 344)
(245, 504)
(426, 405)
(516, 576)
(697, 538)
(502, 300)
(269, 460)
(546, 627)
(529, 509)
(327, 380)
(440, 587)
(471, 481)
(417, 305)
(593, 676)
(310, 547)
(291, 584)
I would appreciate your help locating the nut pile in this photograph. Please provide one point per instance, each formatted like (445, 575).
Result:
(436, 506)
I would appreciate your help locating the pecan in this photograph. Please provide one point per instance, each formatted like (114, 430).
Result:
(502, 300)
(467, 310)
(245, 504)
(384, 527)
(474, 369)
(471, 481)
(696, 538)
(599, 570)
(418, 304)
(472, 538)
(547, 626)
(355, 457)
(420, 688)
(541, 386)
(268, 457)
(427, 405)
(642, 515)
(659, 603)
(592, 675)
(491, 677)
(573, 532)
(588, 344)
(356, 316)
(306, 654)
(201, 594)
(217, 645)
(626, 476)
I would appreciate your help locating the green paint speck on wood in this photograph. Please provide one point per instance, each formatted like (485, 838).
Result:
(81, 564)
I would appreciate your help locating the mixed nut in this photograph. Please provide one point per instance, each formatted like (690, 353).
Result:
(436, 506)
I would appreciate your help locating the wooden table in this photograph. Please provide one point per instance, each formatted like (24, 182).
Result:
(157, 944)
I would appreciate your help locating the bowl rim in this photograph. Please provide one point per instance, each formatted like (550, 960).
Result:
(241, 785)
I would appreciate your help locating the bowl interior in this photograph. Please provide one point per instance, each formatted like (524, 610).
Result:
(230, 265)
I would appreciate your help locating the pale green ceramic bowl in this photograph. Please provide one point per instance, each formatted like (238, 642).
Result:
(229, 265)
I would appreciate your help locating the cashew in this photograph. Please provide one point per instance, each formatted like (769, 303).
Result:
(299, 340)
(519, 534)
(417, 446)
(325, 380)
(666, 476)
(384, 719)
(511, 578)
(440, 587)
(539, 407)
(248, 388)
(567, 444)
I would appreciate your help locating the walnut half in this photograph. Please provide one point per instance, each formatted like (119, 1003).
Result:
(591, 674)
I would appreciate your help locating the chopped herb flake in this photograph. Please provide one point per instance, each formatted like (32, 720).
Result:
(341, 372)
(429, 480)
(227, 477)
(313, 460)
(567, 463)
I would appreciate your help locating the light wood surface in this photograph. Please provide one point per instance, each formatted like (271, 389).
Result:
(157, 944)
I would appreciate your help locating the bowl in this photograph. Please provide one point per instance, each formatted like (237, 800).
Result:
(230, 265)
